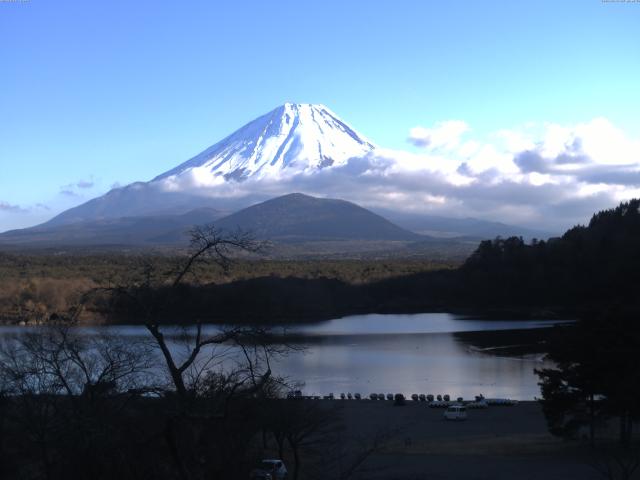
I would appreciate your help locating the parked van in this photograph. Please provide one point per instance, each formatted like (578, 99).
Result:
(455, 412)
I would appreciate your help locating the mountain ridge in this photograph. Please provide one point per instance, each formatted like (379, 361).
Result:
(296, 217)
(451, 227)
(289, 218)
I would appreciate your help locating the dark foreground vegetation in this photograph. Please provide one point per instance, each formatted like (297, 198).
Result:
(594, 385)
(78, 407)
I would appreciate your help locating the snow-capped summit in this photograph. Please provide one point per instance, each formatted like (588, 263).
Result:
(291, 138)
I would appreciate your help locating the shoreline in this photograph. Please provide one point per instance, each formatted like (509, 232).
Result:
(510, 314)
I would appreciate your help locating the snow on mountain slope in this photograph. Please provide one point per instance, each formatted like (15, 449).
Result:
(293, 138)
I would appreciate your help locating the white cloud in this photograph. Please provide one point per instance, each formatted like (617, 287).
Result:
(444, 135)
(579, 168)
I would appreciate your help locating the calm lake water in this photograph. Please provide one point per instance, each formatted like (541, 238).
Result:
(411, 354)
(390, 353)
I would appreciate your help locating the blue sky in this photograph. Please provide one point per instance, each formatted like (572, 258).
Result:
(98, 93)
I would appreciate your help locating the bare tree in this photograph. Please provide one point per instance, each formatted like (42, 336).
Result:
(63, 386)
(58, 360)
(197, 348)
(210, 368)
(70, 391)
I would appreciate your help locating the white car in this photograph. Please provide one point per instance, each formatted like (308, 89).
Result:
(270, 470)
(455, 412)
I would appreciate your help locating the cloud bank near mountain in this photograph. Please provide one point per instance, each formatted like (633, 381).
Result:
(543, 176)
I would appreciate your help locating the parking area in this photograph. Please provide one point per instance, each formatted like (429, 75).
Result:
(494, 443)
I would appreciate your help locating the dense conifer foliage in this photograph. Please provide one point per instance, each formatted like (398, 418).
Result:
(594, 265)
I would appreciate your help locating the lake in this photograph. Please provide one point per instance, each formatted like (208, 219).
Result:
(409, 354)
(415, 353)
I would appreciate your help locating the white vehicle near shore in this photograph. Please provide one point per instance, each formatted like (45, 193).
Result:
(455, 412)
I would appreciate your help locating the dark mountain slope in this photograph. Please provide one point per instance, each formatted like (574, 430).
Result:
(298, 217)
(149, 230)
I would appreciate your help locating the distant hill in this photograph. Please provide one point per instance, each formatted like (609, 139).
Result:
(446, 227)
(298, 217)
(133, 201)
(290, 218)
(149, 230)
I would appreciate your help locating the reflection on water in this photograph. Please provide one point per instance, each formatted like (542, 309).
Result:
(396, 353)
(409, 354)
(434, 363)
(414, 323)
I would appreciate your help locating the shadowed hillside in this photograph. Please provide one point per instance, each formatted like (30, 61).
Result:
(296, 217)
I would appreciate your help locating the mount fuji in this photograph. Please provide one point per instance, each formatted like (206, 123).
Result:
(293, 139)
(293, 147)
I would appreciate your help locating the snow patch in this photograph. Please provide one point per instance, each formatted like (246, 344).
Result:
(293, 138)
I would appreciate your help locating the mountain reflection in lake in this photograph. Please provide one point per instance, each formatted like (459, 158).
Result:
(419, 353)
